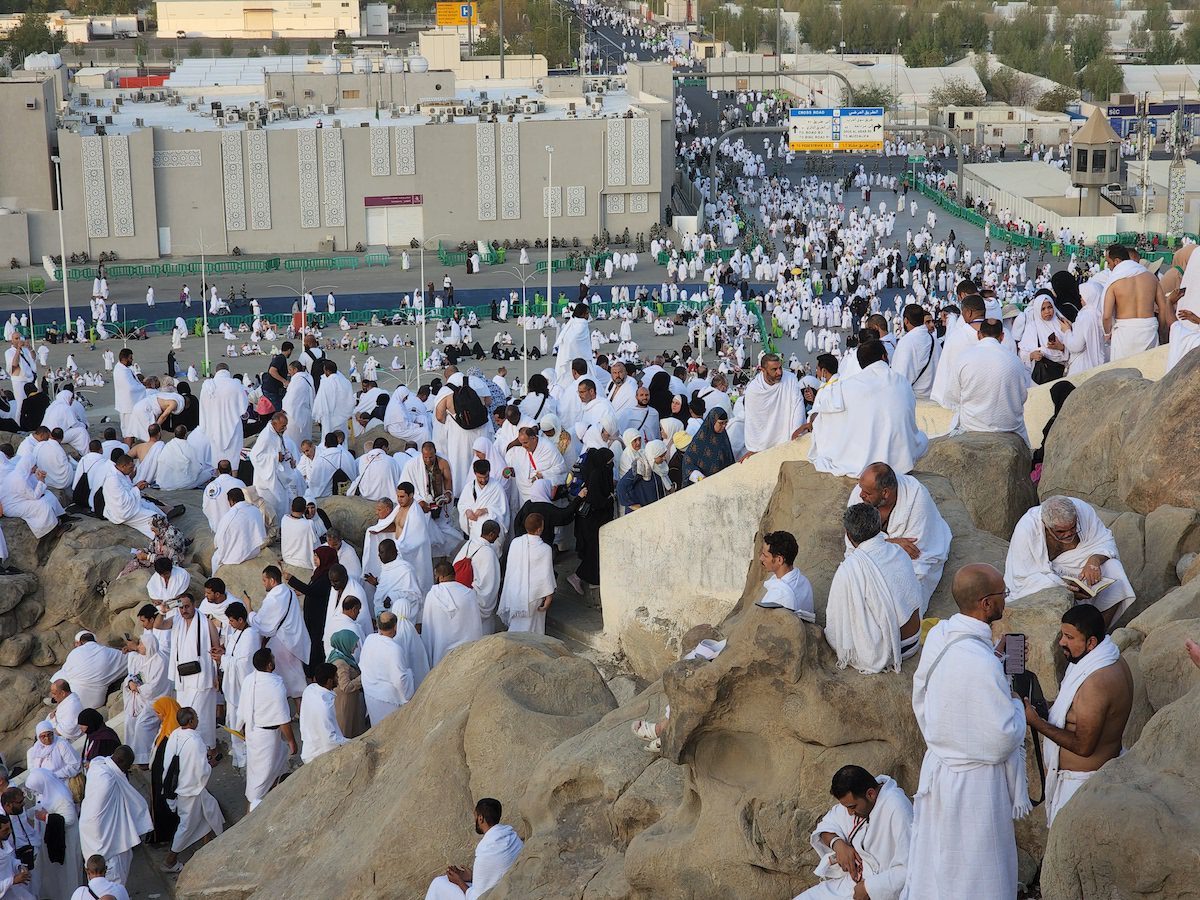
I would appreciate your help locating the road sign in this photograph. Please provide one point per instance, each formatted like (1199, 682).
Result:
(692, 82)
(843, 128)
(451, 14)
(916, 159)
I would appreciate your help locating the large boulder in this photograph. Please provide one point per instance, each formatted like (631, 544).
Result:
(479, 726)
(759, 732)
(1132, 830)
(587, 799)
(990, 475)
(1127, 443)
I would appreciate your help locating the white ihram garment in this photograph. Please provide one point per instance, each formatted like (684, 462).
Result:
(1029, 569)
(916, 358)
(262, 708)
(868, 417)
(386, 682)
(882, 842)
(1060, 785)
(874, 593)
(90, 669)
(1130, 336)
(773, 412)
(495, 854)
(239, 537)
(529, 578)
(451, 618)
(280, 619)
(112, 818)
(972, 781)
(197, 809)
(988, 390)
(223, 402)
(319, 729)
(916, 516)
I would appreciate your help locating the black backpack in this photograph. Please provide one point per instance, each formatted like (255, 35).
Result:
(469, 411)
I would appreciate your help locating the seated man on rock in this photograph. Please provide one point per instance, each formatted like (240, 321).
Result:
(863, 840)
(1088, 717)
(873, 619)
(910, 519)
(870, 415)
(786, 588)
(494, 856)
(1063, 543)
(91, 669)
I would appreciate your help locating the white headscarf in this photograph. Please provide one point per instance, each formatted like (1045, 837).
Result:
(1038, 330)
(670, 427)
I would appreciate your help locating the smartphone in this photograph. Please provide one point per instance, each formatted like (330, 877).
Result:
(1014, 654)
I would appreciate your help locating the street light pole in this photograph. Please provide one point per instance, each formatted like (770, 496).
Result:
(549, 225)
(62, 245)
(204, 290)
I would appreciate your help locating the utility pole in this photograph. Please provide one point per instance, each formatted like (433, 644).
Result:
(502, 38)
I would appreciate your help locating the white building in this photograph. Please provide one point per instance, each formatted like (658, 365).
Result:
(258, 19)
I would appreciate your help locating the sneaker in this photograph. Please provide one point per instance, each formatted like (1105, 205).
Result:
(576, 583)
(645, 729)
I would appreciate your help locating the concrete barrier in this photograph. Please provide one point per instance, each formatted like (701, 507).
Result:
(682, 561)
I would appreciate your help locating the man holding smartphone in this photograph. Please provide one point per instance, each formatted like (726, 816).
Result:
(1087, 720)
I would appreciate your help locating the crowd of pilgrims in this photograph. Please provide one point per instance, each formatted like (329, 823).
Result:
(483, 490)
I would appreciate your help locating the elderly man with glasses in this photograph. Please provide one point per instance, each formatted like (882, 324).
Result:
(1063, 543)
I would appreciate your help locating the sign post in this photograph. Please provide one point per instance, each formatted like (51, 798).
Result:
(454, 14)
(841, 128)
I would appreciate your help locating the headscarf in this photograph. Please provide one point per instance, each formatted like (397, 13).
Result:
(343, 643)
(327, 558)
(49, 788)
(1038, 330)
(498, 397)
(167, 710)
(1066, 294)
(91, 719)
(1059, 392)
(593, 439)
(660, 394)
(540, 491)
(491, 453)
(596, 472)
(670, 427)
(710, 451)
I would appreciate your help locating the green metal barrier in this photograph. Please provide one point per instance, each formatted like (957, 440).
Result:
(376, 259)
(33, 286)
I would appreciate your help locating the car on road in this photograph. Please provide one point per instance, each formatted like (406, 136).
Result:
(180, 35)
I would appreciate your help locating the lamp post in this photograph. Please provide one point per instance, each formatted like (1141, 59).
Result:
(301, 294)
(62, 242)
(549, 226)
(524, 277)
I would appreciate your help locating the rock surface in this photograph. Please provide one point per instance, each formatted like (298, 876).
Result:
(1128, 457)
(386, 813)
(990, 475)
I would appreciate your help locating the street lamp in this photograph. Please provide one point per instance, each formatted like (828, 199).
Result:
(524, 277)
(62, 241)
(303, 292)
(549, 226)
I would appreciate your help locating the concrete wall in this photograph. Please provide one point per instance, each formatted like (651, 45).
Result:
(682, 562)
(27, 175)
(226, 18)
(177, 181)
(14, 239)
(358, 91)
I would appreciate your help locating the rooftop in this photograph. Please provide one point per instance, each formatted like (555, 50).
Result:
(193, 109)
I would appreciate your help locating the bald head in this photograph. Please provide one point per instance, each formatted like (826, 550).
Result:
(978, 591)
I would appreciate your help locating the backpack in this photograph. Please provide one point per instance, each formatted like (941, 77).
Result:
(464, 571)
(469, 411)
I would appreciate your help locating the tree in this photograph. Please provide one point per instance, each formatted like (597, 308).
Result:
(195, 50)
(226, 47)
(1163, 49)
(30, 36)
(1056, 99)
(282, 46)
(168, 52)
(254, 53)
(1101, 78)
(957, 91)
(314, 49)
(1089, 40)
(141, 47)
(870, 95)
(1013, 87)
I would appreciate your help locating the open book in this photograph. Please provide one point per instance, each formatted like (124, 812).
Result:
(1090, 589)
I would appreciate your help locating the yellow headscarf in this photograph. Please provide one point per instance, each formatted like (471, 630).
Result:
(167, 709)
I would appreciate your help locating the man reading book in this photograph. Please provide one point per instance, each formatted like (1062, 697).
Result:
(1063, 543)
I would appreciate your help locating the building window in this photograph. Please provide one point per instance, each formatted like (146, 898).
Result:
(997, 132)
(1098, 160)
(1081, 160)
(349, 95)
(968, 116)
(1011, 115)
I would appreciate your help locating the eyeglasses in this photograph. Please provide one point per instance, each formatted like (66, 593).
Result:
(1004, 593)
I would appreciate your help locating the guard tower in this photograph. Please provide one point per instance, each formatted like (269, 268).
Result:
(1095, 161)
